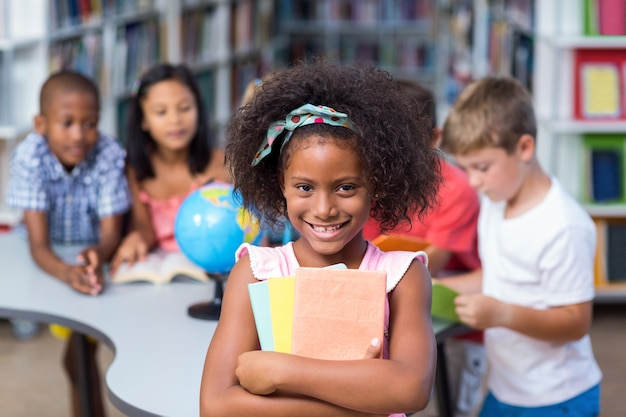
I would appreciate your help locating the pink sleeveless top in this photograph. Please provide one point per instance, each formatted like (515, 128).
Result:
(163, 215)
(267, 262)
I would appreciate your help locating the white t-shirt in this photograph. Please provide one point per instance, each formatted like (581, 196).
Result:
(541, 259)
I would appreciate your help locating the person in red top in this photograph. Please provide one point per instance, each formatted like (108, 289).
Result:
(450, 229)
(451, 232)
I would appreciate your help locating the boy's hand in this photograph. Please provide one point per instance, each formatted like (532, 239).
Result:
(87, 277)
(131, 250)
(77, 277)
(480, 311)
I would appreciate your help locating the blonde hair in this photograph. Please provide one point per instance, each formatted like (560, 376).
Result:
(490, 112)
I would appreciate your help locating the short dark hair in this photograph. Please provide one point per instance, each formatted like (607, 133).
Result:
(423, 97)
(139, 143)
(64, 81)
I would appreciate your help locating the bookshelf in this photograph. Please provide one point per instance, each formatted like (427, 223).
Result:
(579, 101)
(398, 36)
(226, 42)
(484, 37)
(90, 39)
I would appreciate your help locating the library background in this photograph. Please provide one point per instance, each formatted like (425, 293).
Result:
(571, 54)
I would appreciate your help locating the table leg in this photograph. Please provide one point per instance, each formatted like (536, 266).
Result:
(83, 378)
(442, 387)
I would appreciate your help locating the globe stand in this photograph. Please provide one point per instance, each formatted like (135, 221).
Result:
(209, 310)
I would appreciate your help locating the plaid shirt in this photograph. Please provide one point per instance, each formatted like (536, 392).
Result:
(75, 201)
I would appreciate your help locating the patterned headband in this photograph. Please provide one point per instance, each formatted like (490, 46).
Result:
(304, 115)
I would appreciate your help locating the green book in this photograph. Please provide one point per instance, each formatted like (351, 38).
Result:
(591, 18)
(443, 303)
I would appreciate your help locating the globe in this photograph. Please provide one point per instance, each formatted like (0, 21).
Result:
(211, 224)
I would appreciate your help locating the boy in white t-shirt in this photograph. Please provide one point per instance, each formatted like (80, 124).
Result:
(537, 247)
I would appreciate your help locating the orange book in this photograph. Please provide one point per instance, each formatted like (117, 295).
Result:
(337, 312)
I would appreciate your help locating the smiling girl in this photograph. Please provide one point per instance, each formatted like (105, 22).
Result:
(327, 146)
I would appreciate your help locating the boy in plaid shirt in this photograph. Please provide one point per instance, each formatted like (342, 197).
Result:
(68, 179)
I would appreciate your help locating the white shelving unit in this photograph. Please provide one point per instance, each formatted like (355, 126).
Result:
(560, 33)
(22, 69)
(400, 37)
(114, 46)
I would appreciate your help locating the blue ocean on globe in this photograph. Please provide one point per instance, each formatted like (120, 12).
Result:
(211, 224)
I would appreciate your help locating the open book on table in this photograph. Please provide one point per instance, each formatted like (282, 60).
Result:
(160, 267)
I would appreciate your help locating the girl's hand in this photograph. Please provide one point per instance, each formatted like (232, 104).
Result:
(255, 371)
(374, 350)
(131, 250)
(480, 311)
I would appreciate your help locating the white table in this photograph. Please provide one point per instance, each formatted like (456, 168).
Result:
(159, 349)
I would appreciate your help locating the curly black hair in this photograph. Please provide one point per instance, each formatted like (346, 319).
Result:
(400, 166)
(140, 144)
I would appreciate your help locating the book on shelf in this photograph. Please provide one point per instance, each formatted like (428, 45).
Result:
(323, 313)
(599, 80)
(522, 58)
(610, 264)
(138, 49)
(604, 167)
(605, 17)
(200, 30)
(242, 26)
(82, 54)
(160, 267)
(612, 17)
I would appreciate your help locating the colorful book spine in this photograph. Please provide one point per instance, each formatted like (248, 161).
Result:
(612, 17)
(281, 300)
(260, 301)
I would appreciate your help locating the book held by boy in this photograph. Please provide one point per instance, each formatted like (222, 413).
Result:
(161, 267)
(443, 306)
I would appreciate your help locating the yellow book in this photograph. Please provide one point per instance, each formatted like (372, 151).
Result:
(282, 292)
(601, 90)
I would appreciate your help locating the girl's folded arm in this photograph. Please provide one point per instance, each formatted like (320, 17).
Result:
(401, 384)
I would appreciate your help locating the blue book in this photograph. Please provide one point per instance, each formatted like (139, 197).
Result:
(260, 301)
